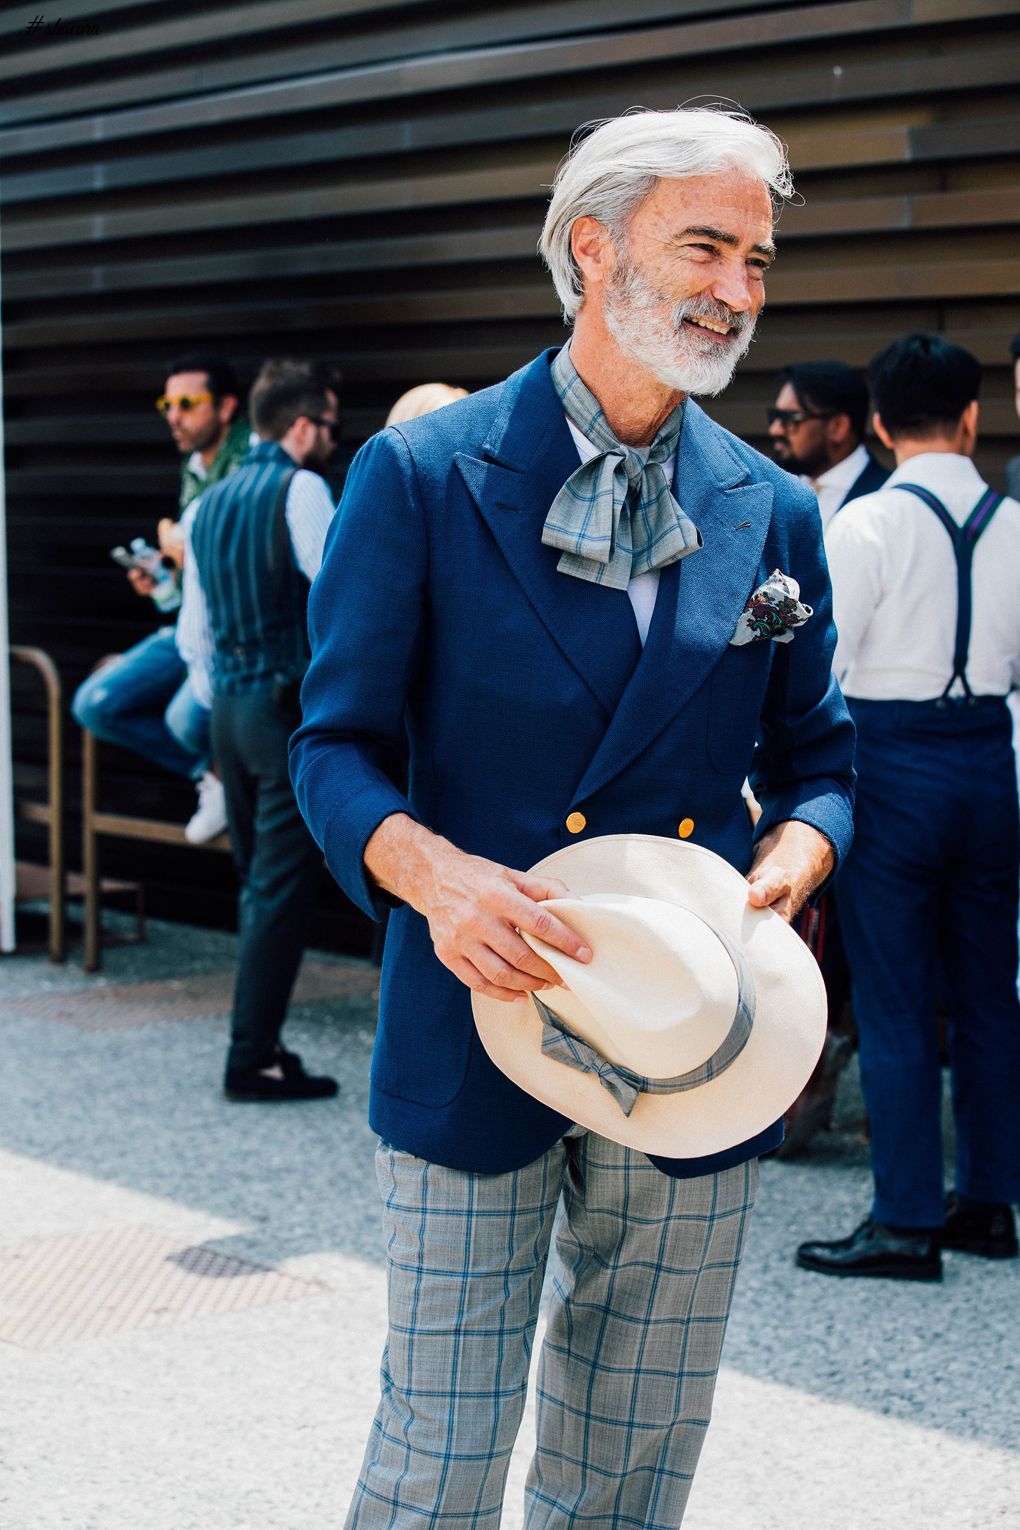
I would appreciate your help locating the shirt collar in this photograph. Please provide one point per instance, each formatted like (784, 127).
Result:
(940, 472)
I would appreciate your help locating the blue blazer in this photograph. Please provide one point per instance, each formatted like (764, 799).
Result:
(458, 677)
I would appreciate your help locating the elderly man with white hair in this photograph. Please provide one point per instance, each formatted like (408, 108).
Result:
(566, 609)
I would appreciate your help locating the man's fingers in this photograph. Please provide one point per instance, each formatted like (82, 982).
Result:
(538, 889)
(767, 885)
(539, 921)
(475, 923)
(476, 980)
(514, 964)
(507, 961)
(771, 888)
(492, 948)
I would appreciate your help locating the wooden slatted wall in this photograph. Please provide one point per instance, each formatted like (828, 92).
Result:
(364, 180)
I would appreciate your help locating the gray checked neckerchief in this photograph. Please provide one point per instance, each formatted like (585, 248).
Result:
(616, 515)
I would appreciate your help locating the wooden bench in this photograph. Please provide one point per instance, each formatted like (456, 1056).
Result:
(97, 824)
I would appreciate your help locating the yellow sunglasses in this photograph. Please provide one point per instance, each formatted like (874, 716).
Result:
(182, 401)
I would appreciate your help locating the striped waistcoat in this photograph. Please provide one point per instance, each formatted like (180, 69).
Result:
(256, 595)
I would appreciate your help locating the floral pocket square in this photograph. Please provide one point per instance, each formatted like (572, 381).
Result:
(773, 611)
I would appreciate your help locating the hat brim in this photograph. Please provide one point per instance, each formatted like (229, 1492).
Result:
(789, 1022)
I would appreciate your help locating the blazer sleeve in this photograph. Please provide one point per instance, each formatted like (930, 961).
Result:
(348, 758)
(803, 762)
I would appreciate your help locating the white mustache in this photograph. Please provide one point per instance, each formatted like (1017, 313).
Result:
(717, 313)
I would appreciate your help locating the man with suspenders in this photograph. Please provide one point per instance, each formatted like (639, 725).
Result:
(924, 592)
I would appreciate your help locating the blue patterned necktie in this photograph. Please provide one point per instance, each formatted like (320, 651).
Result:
(615, 516)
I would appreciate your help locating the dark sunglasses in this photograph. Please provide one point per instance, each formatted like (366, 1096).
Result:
(333, 426)
(786, 417)
(181, 401)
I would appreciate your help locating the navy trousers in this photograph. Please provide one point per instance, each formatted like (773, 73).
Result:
(278, 862)
(928, 905)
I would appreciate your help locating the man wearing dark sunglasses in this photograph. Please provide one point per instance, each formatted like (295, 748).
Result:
(142, 701)
(817, 428)
(253, 543)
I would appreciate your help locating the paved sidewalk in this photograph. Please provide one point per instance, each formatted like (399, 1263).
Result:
(191, 1293)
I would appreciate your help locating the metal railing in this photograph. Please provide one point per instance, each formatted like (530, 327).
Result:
(49, 812)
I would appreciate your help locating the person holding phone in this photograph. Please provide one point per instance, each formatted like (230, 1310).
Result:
(143, 700)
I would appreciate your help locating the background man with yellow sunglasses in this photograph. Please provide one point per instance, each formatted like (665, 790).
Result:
(143, 701)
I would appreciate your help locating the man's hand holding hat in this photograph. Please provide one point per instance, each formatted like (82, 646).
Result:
(474, 907)
(791, 862)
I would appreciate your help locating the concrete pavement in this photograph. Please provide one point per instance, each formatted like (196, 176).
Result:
(191, 1292)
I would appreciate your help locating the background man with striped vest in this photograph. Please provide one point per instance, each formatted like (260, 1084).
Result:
(254, 543)
(924, 594)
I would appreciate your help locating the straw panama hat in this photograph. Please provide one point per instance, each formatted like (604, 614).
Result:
(687, 984)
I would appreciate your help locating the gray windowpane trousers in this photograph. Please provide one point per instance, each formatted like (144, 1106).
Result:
(642, 1282)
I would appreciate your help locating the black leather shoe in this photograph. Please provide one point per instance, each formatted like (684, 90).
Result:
(981, 1228)
(874, 1249)
(285, 1079)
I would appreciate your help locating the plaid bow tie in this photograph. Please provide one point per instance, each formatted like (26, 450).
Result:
(615, 516)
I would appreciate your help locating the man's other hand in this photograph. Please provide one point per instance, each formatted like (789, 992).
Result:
(790, 862)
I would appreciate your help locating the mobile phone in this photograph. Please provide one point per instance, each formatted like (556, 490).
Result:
(125, 559)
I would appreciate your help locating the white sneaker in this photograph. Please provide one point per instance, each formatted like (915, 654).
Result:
(210, 817)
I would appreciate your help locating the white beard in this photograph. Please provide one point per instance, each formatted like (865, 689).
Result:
(647, 329)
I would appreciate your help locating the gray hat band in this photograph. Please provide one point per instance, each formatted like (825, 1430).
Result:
(562, 1045)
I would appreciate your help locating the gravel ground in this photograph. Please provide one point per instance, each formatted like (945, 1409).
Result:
(192, 1340)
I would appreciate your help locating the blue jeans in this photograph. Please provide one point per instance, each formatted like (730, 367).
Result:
(143, 701)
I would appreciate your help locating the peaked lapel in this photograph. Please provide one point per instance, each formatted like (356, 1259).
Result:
(699, 599)
(526, 459)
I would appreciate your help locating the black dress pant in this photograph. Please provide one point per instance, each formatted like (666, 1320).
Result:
(278, 862)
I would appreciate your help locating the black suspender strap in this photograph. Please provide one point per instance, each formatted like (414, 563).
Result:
(964, 539)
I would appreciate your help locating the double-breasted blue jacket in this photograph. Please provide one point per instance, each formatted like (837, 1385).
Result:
(457, 676)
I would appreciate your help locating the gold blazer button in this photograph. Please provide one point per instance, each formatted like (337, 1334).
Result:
(576, 822)
(685, 828)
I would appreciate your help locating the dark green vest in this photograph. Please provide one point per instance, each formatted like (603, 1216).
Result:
(232, 452)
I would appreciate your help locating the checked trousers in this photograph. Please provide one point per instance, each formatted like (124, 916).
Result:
(642, 1282)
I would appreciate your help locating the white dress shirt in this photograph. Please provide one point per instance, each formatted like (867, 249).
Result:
(894, 588)
(643, 588)
(308, 512)
(833, 486)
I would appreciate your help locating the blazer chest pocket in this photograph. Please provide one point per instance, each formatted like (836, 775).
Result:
(735, 698)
